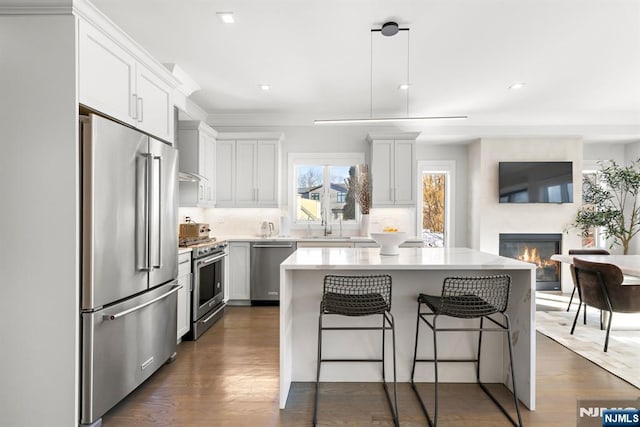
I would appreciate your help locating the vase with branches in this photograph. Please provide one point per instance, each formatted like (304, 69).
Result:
(359, 182)
(611, 203)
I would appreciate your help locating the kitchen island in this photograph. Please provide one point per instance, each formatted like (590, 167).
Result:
(413, 271)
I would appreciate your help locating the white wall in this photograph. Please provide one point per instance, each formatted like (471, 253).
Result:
(604, 151)
(39, 222)
(490, 218)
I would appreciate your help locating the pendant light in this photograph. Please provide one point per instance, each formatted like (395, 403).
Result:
(388, 29)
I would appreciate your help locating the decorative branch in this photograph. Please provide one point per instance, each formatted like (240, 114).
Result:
(361, 186)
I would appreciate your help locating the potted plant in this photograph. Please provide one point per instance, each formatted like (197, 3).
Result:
(611, 203)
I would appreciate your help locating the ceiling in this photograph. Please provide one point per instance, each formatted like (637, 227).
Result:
(580, 60)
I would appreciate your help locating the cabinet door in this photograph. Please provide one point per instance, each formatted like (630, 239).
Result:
(404, 185)
(267, 182)
(154, 105)
(225, 161)
(209, 169)
(239, 271)
(106, 75)
(245, 173)
(382, 173)
(184, 305)
(206, 168)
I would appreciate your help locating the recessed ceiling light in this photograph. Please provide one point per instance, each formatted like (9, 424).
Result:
(403, 86)
(517, 85)
(226, 17)
(265, 87)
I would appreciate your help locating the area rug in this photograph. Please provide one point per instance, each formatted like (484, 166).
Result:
(623, 356)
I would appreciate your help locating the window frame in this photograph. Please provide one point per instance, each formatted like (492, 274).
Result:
(320, 159)
(591, 167)
(448, 168)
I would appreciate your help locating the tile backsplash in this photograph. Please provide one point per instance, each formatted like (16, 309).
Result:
(230, 222)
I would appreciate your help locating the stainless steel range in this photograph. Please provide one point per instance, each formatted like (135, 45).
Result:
(207, 298)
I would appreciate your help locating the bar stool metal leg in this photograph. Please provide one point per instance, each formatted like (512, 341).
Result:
(394, 406)
(315, 405)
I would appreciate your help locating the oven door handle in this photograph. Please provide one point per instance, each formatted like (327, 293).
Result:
(207, 261)
(141, 306)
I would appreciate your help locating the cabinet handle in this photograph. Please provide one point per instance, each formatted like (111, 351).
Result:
(140, 109)
(133, 107)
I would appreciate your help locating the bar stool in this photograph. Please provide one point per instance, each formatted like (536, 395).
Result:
(466, 298)
(357, 296)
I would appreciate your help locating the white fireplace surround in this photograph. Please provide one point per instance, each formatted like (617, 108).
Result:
(488, 218)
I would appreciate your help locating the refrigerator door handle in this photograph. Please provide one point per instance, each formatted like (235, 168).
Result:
(158, 214)
(142, 239)
(123, 313)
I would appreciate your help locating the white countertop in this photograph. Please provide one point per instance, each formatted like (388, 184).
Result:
(407, 259)
(182, 250)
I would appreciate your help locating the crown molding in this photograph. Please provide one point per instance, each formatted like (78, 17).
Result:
(38, 8)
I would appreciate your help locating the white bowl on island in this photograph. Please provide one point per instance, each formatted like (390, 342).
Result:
(389, 241)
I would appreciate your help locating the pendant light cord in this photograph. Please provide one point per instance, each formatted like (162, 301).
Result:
(371, 76)
(408, 84)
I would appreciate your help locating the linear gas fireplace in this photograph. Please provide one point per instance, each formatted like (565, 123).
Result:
(537, 249)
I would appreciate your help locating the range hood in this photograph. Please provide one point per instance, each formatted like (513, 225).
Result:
(190, 177)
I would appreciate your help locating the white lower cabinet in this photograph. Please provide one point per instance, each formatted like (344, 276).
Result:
(239, 272)
(184, 293)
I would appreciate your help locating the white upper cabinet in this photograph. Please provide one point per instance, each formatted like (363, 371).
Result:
(248, 170)
(115, 81)
(154, 105)
(107, 74)
(245, 172)
(393, 169)
(197, 147)
(225, 166)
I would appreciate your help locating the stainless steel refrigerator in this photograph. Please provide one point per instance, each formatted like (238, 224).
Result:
(129, 261)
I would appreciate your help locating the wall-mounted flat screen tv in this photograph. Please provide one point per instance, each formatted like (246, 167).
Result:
(535, 182)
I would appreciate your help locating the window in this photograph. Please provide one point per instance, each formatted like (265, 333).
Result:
(435, 194)
(321, 189)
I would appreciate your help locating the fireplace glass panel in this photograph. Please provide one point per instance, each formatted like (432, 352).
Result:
(536, 249)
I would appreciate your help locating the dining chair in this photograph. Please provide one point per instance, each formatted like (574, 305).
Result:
(600, 286)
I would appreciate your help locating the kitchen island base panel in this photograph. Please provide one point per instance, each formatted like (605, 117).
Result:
(300, 302)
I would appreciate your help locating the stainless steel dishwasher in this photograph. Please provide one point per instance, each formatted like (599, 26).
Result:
(266, 258)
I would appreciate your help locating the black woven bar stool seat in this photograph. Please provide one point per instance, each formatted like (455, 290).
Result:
(463, 306)
(354, 304)
(357, 296)
(465, 298)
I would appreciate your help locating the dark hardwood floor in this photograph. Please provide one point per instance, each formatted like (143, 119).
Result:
(229, 377)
